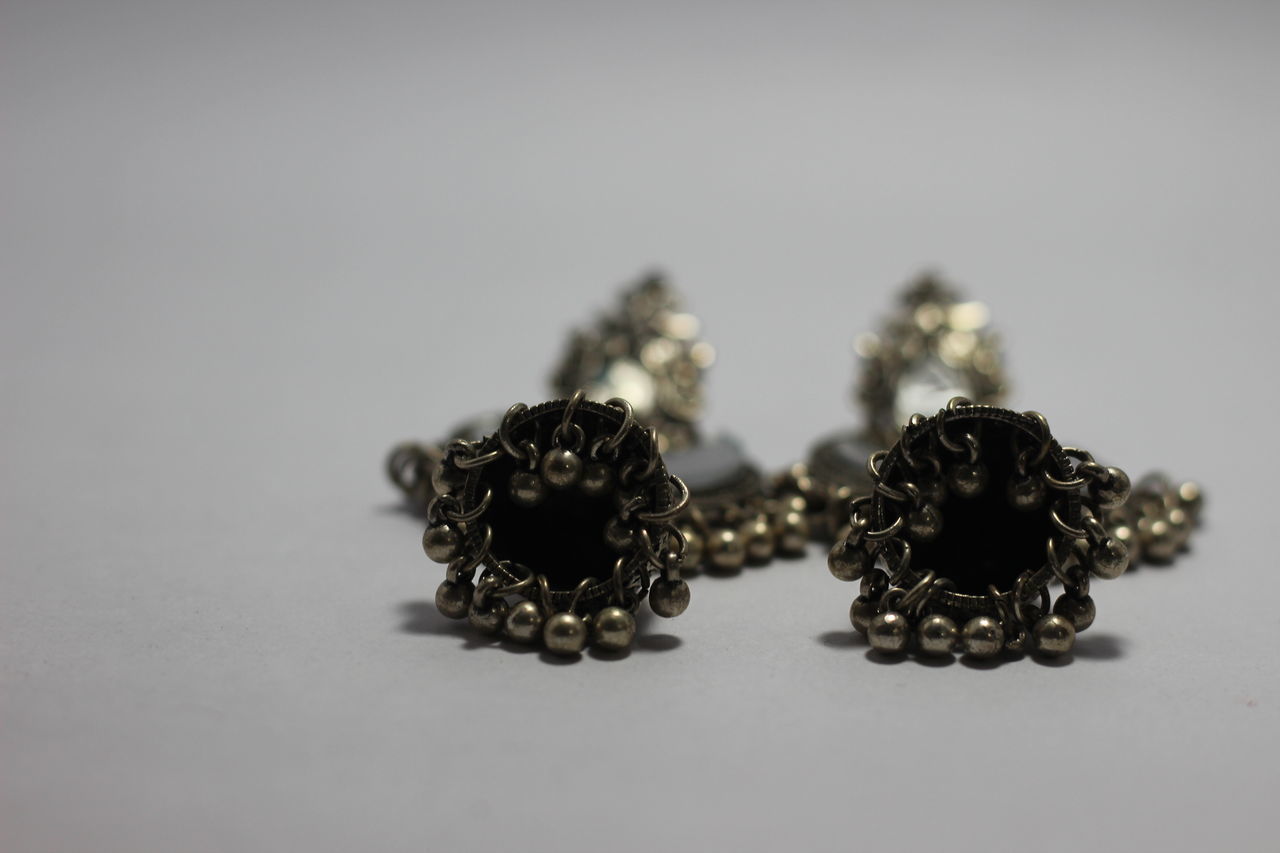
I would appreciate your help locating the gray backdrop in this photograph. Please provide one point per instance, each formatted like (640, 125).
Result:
(245, 246)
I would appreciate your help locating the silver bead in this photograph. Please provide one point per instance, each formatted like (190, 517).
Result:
(934, 491)
(1120, 529)
(982, 637)
(1026, 493)
(937, 635)
(446, 478)
(692, 546)
(565, 634)
(1052, 636)
(453, 598)
(848, 562)
(759, 538)
(442, 542)
(613, 629)
(725, 549)
(668, 598)
(489, 618)
(1108, 559)
(1080, 612)
(889, 632)
(526, 489)
(1115, 492)
(597, 480)
(968, 480)
(924, 523)
(618, 536)
(524, 622)
(792, 532)
(861, 612)
(561, 468)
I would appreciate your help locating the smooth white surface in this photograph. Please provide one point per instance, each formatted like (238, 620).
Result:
(244, 247)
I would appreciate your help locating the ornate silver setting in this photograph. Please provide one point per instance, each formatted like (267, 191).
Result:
(567, 513)
(973, 513)
(934, 346)
(646, 351)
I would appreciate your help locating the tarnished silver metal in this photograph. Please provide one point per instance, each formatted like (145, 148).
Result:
(545, 569)
(986, 558)
(646, 351)
(935, 346)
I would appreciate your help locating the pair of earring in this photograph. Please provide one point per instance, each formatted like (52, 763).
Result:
(555, 522)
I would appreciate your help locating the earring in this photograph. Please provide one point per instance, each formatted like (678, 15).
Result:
(932, 348)
(566, 512)
(647, 351)
(971, 516)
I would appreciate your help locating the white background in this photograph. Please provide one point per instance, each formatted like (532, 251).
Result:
(246, 246)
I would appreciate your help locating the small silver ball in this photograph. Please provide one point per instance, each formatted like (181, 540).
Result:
(934, 491)
(1160, 539)
(442, 542)
(668, 598)
(937, 635)
(1108, 559)
(726, 550)
(453, 598)
(889, 632)
(491, 618)
(861, 612)
(968, 480)
(692, 546)
(1080, 612)
(618, 536)
(597, 480)
(1052, 636)
(792, 532)
(1115, 492)
(446, 478)
(561, 468)
(1026, 493)
(759, 538)
(524, 622)
(613, 629)
(924, 523)
(847, 562)
(982, 637)
(565, 634)
(526, 489)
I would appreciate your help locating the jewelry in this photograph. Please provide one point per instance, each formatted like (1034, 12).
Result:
(972, 514)
(566, 511)
(932, 348)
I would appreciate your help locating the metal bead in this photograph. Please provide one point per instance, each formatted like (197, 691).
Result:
(442, 542)
(618, 536)
(597, 480)
(1053, 636)
(613, 629)
(453, 598)
(565, 634)
(889, 632)
(725, 549)
(490, 618)
(861, 612)
(561, 468)
(1108, 559)
(526, 489)
(847, 561)
(668, 598)
(1026, 493)
(937, 635)
(759, 538)
(792, 532)
(1079, 611)
(933, 491)
(524, 622)
(1115, 492)
(982, 637)
(924, 523)
(1159, 539)
(692, 546)
(445, 478)
(1127, 535)
(968, 479)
